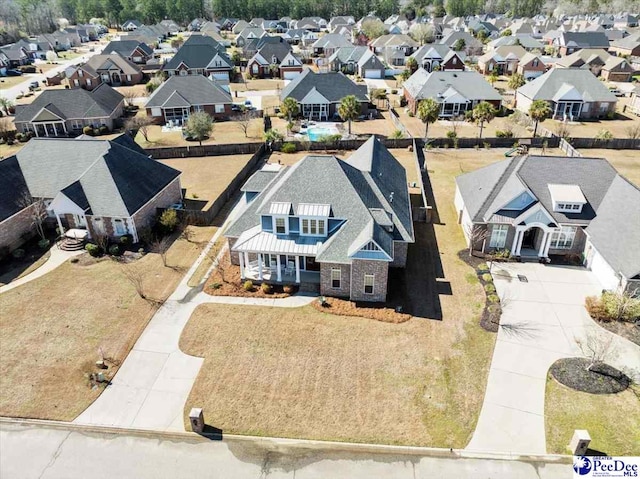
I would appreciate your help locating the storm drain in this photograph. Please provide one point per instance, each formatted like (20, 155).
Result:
(522, 278)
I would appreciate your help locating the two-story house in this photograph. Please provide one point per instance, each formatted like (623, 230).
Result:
(200, 55)
(111, 69)
(331, 225)
(133, 50)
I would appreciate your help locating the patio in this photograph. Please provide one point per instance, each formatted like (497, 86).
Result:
(277, 270)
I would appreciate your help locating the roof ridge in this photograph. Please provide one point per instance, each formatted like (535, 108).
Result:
(494, 189)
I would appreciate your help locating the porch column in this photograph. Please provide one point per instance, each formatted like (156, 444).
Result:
(546, 248)
(555, 111)
(246, 259)
(514, 246)
(519, 245)
(241, 257)
(260, 266)
(279, 272)
(55, 130)
(543, 245)
(64, 128)
(35, 128)
(60, 225)
(298, 269)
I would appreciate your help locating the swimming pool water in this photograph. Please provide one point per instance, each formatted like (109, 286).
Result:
(316, 133)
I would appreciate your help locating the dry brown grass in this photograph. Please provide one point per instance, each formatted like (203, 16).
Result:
(206, 177)
(613, 420)
(627, 162)
(53, 328)
(8, 150)
(342, 307)
(259, 84)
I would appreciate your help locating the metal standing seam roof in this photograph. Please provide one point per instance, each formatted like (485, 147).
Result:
(308, 209)
(257, 240)
(280, 208)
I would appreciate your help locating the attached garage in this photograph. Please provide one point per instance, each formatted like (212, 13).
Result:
(373, 74)
(221, 76)
(290, 75)
(599, 266)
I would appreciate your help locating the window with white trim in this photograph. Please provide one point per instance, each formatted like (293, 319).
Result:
(197, 108)
(219, 108)
(120, 227)
(336, 276)
(281, 226)
(563, 238)
(498, 236)
(368, 283)
(313, 227)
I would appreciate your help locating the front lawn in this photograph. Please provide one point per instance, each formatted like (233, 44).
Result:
(613, 420)
(55, 327)
(307, 374)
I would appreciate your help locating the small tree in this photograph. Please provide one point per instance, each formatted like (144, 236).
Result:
(428, 112)
(349, 109)
(243, 120)
(597, 348)
(476, 234)
(506, 33)
(493, 78)
(199, 126)
(539, 111)
(412, 64)
(140, 123)
(483, 113)
(6, 125)
(130, 96)
(161, 246)
(135, 276)
(51, 56)
(372, 28)
(459, 45)
(289, 108)
(422, 33)
(5, 104)
(516, 81)
(168, 220)
(236, 57)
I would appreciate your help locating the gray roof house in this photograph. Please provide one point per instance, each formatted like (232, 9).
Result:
(545, 206)
(569, 42)
(456, 91)
(328, 44)
(133, 50)
(572, 93)
(200, 55)
(357, 60)
(66, 112)
(319, 94)
(105, 187)
(339, 224)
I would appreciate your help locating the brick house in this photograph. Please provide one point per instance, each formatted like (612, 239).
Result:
(502, 60)
(180, 96)
(436, 56)
(572, 93)
(275, 60)
(200, 55)
(133, 50)
(545, 207)
(571, 42)
(358, 60)
(333, 226)
(106, 187)
(111, 69)
(456, 92)
(627, 46)
(531, 66)
(67, 112)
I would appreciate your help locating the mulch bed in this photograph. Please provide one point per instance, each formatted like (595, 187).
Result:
(601, 379)
(491, 313)
(342, 307)
(627, 330)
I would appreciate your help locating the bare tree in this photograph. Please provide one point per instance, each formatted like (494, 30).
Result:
(102, 241)
(244, 121)
(139, 123)
(625, 305)
(161, 247)
(476, 234)
(596, 347)
(129, 96)
(37, 210)
(135, 276)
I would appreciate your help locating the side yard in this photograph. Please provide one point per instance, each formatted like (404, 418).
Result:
(305, 373)
(627, 162)
(55, 328)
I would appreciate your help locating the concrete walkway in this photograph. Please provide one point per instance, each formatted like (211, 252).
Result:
(541, 320)
(151, 387)
(41, 451)
(56, 258)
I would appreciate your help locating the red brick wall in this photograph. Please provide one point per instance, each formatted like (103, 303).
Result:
(170, 195)
(14, 228)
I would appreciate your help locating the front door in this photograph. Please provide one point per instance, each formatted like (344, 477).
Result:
(529, 238)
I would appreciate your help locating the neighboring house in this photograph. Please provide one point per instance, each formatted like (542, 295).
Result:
(132, 50)
(327, 224)
(201, 55)
(394, 48)
(546, 207)
(180, 96)
(248, 34)
(328, 44)
(456, 92)
(628, 46)
(106, 187)
(472, 46)
(15, 55)
(634, 101)
(319, 94)
(525, 41)
(294, 36)
(570, 42)
(275, 60)
(531, 66)
(600, 63)
(503, 60)
(66, 112)
(572, 94)
(436, 56)
(130, 25)
(357, 61)
(111, 69)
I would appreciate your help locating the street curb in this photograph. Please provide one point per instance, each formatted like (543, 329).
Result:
(282, 444)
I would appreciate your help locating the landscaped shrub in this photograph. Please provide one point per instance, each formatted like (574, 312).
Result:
(168, 220)
(20, 137)
(487, 278)
(493, 298)
(88, 130)
(452, 134)
(489, 288)
(394, 91)
(411, 114)
(504, 134)
(103, 130)
(266, 288)
(288, 148)
(216, 285)
(482, 267)
(43, 243)
(248, 285)
(126, 240)
(613, 306)
(92, 249)
(288, 289)
(114, 250)
(18, 253)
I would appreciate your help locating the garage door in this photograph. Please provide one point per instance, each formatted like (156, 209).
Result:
(290, 75)
(603, 271)
(373, 74)
(221, 75)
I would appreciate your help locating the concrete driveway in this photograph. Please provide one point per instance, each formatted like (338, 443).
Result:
(541, 319)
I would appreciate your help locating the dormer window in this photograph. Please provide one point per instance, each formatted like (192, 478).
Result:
(281, 225)
(313, 227)
(567, 198)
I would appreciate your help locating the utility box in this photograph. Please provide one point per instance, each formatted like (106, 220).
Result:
(197, 420)
(580, 442)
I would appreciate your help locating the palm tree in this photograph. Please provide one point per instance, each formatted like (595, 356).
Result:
(5, 104)
(539, 111)
(289, 108)
(349, 109)
(428, 112)
(483, 113)
(516, 81)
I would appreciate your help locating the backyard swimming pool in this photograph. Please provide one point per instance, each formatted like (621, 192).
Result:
(316, 133)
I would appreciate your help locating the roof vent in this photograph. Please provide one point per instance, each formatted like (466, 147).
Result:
(391, 197)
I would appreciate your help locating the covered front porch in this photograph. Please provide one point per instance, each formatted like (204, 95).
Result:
(532, 241)
(49, 128)
(279, 268)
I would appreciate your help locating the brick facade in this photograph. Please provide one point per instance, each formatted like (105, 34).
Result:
(400, 250)
(15, 229)
(170, 195)
(210, 109)
(77, 81)
(577, 247)
(380, 271)
(326, 286)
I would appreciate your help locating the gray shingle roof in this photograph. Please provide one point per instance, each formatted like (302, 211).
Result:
(333, 86)
(103, 176)
(13, 187)
(192, 89)
(356, 195)
(104, 62)
(546, 86)
(197, 53)
(469, 83)
(73, 104)
(259, 181)
(126, 47)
